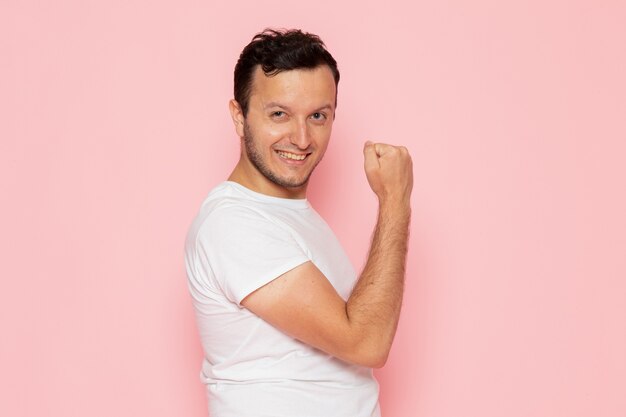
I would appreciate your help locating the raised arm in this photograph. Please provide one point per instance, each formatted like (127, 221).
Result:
(302, 302)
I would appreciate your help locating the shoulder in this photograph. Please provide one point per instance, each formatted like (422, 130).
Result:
(232, 214)
(234, 220)
(226, 204)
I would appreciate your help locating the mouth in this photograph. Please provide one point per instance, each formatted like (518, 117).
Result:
(292, 156)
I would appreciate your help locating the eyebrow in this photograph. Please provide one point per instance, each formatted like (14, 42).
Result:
(282, 106)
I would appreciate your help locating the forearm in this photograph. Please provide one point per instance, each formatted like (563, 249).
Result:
(373, 308)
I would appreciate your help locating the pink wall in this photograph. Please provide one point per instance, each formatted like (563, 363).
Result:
(114, 125)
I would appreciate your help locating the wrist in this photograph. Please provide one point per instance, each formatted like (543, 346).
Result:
(396, 209)
(393, 203)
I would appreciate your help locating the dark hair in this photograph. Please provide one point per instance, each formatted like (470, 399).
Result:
(276, 51)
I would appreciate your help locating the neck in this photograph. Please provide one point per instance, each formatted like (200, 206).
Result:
(252, 179)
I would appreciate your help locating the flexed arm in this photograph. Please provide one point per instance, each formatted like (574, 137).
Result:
(377, 297)
(302, 302)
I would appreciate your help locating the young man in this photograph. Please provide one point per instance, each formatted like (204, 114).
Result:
(287, 327)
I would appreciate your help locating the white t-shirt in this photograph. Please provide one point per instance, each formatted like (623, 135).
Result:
(240, 241)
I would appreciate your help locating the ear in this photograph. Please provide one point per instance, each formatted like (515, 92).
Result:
(237, 115)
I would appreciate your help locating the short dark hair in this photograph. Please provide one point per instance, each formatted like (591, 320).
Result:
(276, 51)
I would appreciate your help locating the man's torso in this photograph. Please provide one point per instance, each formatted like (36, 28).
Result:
(240, 241)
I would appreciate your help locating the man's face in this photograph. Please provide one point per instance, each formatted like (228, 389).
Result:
(287, 128)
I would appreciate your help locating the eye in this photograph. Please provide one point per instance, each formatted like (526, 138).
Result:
(278, 114)
(318, 116)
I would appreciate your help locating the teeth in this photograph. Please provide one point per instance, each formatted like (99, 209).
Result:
(293, 156)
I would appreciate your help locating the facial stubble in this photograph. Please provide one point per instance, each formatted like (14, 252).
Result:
(255, 156)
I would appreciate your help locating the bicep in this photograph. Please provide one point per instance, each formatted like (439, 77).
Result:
(303, 304)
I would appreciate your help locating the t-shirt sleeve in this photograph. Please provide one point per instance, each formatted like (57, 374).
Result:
(246, 250)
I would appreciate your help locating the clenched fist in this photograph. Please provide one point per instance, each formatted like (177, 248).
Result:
(389, 171)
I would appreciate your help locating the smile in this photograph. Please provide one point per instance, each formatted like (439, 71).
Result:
(292, 156)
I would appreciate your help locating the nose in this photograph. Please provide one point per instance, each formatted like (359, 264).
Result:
(300, 136)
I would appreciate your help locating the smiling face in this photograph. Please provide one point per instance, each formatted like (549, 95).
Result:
(286, 131)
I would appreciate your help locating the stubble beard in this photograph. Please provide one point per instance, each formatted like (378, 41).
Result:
(256, 158)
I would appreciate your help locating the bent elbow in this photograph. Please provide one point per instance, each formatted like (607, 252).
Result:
(380, 360)
(372, 356)
(368, 347)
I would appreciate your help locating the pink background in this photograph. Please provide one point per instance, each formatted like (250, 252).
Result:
(114, 125)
